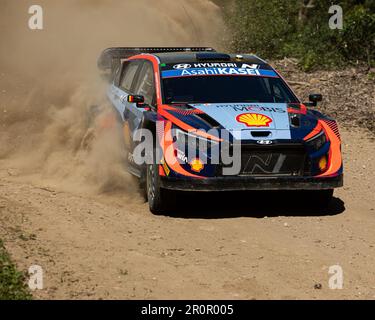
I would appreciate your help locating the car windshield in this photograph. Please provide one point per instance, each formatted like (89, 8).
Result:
(226, 89)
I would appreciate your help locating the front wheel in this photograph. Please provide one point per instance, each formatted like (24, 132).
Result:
(159, 199)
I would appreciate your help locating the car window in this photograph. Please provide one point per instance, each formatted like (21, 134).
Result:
(226, 89)
(117, 76)
(279, 93)
(128, 75)
(145, 84)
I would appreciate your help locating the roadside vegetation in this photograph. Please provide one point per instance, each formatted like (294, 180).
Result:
(275, 29)
(12, 282)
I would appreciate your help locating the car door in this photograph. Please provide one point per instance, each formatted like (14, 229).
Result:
(137, 79)
(144, 86)
(124, 86)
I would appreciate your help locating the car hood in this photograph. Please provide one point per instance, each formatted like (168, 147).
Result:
(245, 120)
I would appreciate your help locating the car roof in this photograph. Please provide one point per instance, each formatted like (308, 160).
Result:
(192, 57)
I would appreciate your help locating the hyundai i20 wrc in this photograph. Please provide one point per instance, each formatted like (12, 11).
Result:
(218, 122)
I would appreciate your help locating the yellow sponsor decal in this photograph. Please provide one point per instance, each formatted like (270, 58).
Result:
(254, 119)
(165, 167)
(196, 165)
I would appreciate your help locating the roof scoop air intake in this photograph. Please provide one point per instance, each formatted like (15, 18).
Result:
(208, 56)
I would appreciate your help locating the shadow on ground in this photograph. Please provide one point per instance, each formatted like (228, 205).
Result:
(255, 204)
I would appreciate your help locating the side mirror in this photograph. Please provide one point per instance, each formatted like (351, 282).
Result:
(138, 100)
(314, 99)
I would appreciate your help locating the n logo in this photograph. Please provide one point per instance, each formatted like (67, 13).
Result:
(264, 164)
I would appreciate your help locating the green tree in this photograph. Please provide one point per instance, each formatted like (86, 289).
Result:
(299, 28)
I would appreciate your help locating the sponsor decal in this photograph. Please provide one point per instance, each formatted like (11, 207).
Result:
(196, 165)
(253, 107)
(182, 66)
(181, 156)
(166, 169)
(254, 119)
(218, 72)
(216, 65)
(265, 142)
(251, 66)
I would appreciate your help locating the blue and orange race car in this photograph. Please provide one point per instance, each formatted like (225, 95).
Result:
(194, 119)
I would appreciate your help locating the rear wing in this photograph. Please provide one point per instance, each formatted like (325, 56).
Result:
(110, 59)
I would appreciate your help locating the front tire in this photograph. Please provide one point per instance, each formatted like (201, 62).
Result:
(159, 199)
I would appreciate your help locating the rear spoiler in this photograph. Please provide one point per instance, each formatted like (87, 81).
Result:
(110, 59)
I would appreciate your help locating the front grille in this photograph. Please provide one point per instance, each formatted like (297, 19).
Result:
(273, 161)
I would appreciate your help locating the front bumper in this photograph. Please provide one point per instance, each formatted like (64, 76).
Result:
(243, 183)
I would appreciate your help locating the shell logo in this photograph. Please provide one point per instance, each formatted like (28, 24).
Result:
(196, 165)
(254, 119)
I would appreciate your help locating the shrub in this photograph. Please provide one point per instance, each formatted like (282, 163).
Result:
(277, 28)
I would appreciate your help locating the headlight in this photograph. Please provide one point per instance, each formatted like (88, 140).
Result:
(317, 142)
(192, 141)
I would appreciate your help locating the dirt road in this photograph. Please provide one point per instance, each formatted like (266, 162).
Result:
(244, 246)
(81, 218)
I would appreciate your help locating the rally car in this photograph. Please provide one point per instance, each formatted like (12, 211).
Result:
(195, 119)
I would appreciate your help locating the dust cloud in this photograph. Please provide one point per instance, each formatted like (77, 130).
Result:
(49, 80)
